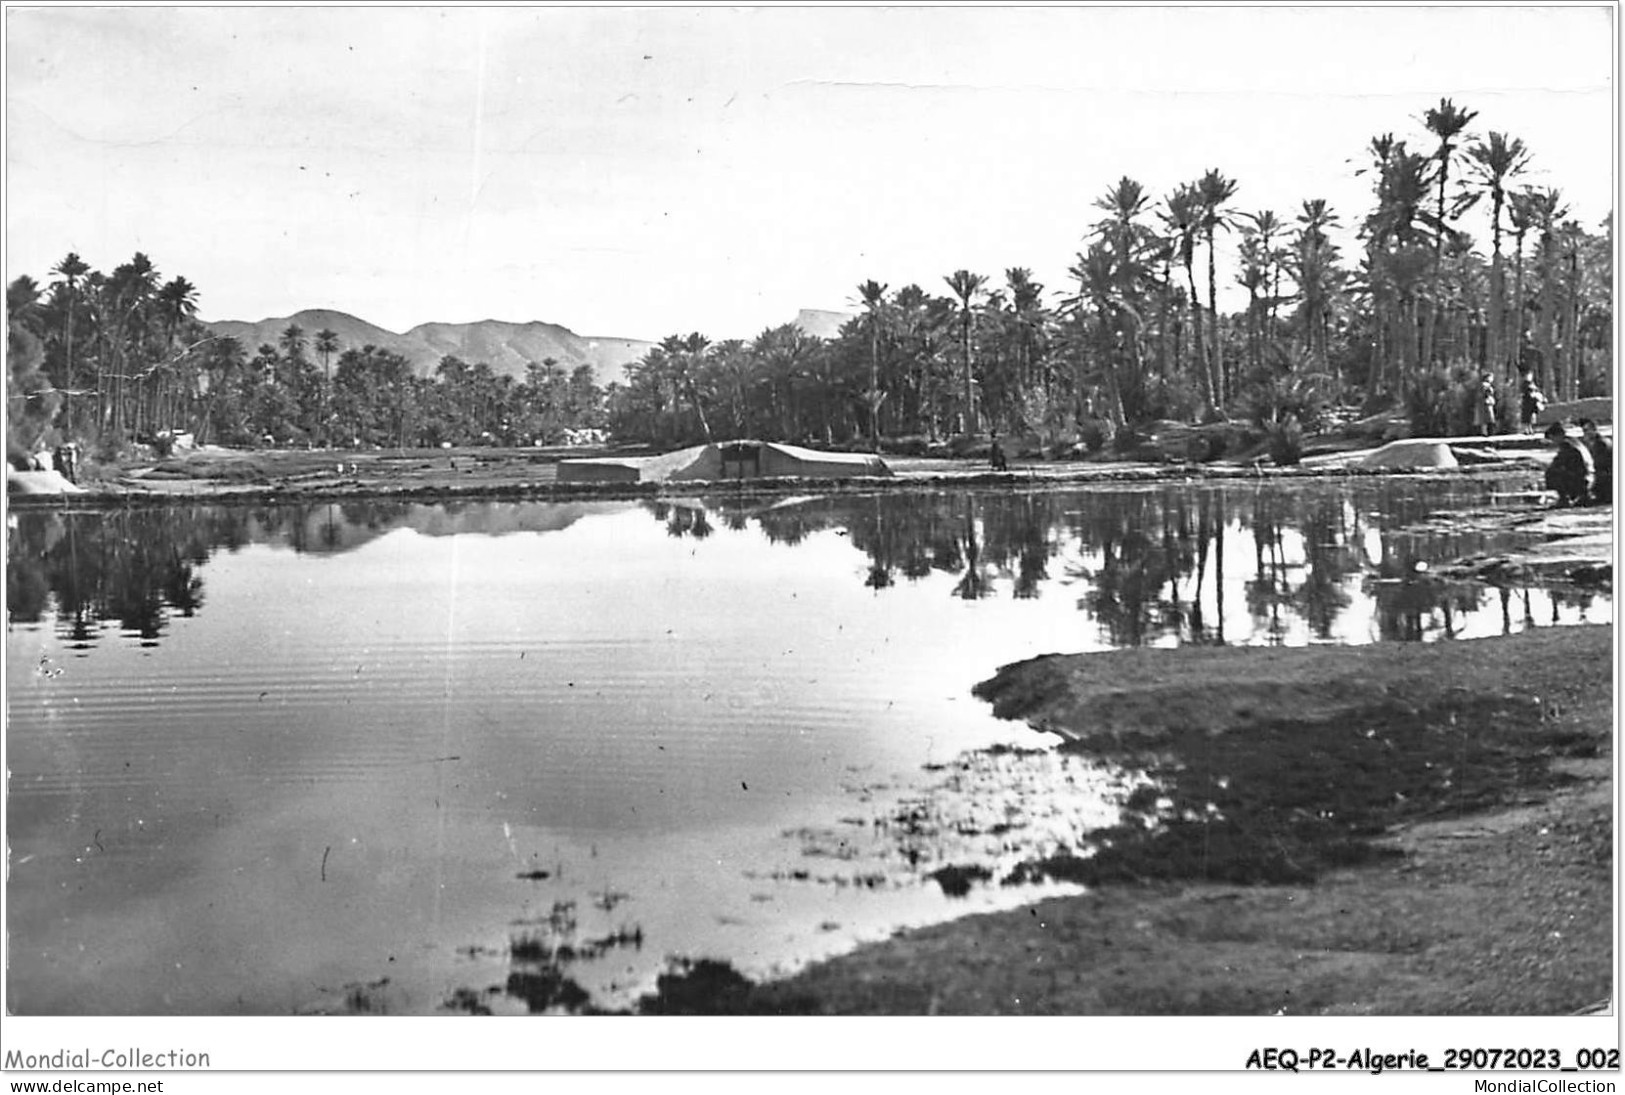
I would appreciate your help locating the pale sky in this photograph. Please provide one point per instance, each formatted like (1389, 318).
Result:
(653, 171)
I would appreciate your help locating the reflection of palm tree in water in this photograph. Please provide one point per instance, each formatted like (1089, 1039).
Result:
(135, 568)
(330, 530)
(1210, 542)
(1409, 604)
(880, 551)
(1143, 542)
(975, 584)
(683, 520)
(1329, 559)
(1269, 588)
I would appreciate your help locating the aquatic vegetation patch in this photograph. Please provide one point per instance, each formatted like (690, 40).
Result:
(468, 1001)
(547, 988)
(366, 999)
(956, 880)
(977, 817)
(706, 986)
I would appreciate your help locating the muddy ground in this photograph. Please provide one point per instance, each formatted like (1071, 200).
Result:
(1379, 830)
(1394, 830)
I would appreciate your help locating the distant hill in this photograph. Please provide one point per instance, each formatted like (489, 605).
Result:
(506, 347)
(822, 323)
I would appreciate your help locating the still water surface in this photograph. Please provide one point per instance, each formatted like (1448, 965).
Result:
(417, 758)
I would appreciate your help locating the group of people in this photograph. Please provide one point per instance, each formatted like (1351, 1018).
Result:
(1582, 472)
(1531, 401)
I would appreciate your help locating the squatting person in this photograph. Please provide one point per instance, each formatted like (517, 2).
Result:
(1571, 474)
(1602, 464)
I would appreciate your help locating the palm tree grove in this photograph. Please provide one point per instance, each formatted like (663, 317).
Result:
(1403, 315)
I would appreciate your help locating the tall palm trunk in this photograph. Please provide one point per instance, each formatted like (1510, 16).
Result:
(971, 424)
(1204, 377)
(1571, 341)
(1162, 320)
(1548, 315)
(1518, 316)
(67, 400)
(1493, 336)
(1220, 382)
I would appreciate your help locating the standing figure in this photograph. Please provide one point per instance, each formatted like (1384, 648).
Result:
(1602, 464)
(1570, 475)
(995, 454)
(66, 459)
(1532, 398)
(1484, 406)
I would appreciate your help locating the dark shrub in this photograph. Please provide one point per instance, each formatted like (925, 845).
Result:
(1286, 442)
(1128, 439)
(1095, 434)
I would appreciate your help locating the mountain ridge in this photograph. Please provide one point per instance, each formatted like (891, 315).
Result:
(507, 346)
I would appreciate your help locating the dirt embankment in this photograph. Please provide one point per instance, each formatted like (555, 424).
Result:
(1378, 830)
(287, 475)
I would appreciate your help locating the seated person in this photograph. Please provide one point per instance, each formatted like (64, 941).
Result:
(1570, 475)
(1602, 464)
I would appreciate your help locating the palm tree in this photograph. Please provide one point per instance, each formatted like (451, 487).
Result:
(1398, 236)
(22, 304)
(1572, 239)
(177, 303)
(222, 367)
(1548, 209)
(785, 354)
(327, 344)
(1267, 226)
(292, 341)
(1446, 122)
(921, 320)
(70, 269)
(1127, 243)
(131, 287)
(1026, 312)
(1523, 217)
(1183, 218)
(1213, 190)
(1493, 162)
(965, 286)
(873, 295)
(1253, 277)
(1315, 270)
(1098, 296)
(685, 357)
